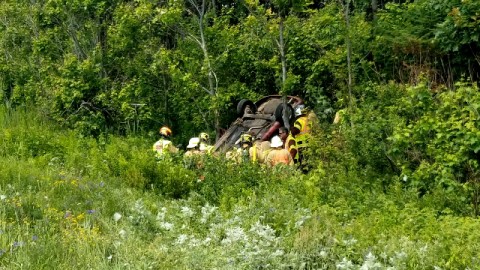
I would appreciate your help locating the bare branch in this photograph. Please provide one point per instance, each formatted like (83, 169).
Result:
(195, 39)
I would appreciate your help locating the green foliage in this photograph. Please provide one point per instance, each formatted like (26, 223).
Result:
(403, 159)
(460, 27)
(439, 146)
(107, 203)
(92, 61)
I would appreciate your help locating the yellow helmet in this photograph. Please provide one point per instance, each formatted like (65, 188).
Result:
(204, 136)
(246, 138)
(165, 131)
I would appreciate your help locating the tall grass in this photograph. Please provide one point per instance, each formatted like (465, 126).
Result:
(80, 203)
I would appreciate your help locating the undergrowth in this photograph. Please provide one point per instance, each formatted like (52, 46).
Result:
(69, 201)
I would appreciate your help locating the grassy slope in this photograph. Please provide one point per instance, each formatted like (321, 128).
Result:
(79, 203)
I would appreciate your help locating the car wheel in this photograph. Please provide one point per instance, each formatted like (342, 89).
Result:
(285, 116)
(242, 106)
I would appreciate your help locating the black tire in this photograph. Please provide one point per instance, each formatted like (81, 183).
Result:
(289, 114)
(243, 104)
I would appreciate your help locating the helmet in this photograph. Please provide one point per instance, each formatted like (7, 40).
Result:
(276, 142)
(193, 142)
(246, 138)
(165, 131)
(204, 136)
(300, 109)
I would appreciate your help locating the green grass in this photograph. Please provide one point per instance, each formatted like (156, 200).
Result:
(60, 194)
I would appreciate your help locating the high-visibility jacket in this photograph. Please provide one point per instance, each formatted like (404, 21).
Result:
(164, 146)
(255, 152)
(278, 156)
(302, 137)
(304, 124)
(238, 155)
(291, 147)
(206, 148)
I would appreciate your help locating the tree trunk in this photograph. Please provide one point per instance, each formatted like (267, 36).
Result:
(281, 47)
(349, 52)
(212, 78)
(374, 6)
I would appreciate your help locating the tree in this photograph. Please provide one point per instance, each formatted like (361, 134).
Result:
(280, 10)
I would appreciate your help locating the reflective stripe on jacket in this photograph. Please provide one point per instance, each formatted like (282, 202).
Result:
(291, 146)
(303, 126)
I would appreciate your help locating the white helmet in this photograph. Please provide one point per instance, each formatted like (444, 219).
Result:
(193, 142)
(276, 142)
(299, 110)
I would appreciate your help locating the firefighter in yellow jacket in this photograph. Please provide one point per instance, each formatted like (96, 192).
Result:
(205, 146)
(278, 154)
(302, 129)
(289, 142)
(164, 145)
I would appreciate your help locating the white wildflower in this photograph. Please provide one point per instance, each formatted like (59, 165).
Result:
(117, 244)
(139, 207)
(350, 242)
(117, 216)
(401, 255)
(194, 242)
(234, 235)
(3, 197)
(323, 254)
(370, 262)
(160, 216)
(264, 231)
(207, 241)
(207, 211)
(278, 253)
(181, 239)
(122, 233)
(163, 248)
(345, 264)
(299, 223)
(166, 226)
(186, 211)
(398, 258)
(423, 250)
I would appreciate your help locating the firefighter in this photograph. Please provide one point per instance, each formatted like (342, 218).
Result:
(302, 129)
(193, 147)
(246, 142)
(264, 150)
(242, 152)
(193, 156)
(164, 145)
(255, 150)
(289, 142)
(278, 154)
(205, 146)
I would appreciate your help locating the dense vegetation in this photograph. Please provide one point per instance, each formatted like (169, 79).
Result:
(85, 85)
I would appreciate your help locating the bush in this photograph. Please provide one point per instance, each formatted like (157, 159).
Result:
(438, 149)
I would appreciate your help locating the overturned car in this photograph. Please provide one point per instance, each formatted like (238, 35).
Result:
(261, 119)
